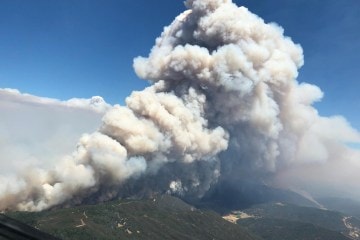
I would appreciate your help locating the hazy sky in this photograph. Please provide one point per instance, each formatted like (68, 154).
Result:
(82, 48)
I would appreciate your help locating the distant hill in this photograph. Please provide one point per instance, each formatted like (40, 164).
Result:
(345, 205)
(299, 222)
(167, 217)
(228, 197)
(162, 217)
(279, 229)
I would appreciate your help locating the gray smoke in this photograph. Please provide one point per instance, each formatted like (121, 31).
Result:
(224, 104)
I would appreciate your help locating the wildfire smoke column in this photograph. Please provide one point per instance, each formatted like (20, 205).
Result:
(224, 101)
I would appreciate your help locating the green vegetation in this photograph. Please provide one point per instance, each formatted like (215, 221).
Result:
(279, 229)
(287, 221)
(163, 217)
(166, 217)
(319, 217)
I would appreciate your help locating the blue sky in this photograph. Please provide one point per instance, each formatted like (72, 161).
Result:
(82, 48)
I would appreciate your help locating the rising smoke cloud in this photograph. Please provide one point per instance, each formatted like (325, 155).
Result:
(37, 130)
(224, 105)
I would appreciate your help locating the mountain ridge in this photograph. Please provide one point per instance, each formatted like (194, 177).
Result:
(161, 217)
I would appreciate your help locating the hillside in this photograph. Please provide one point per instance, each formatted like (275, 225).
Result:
(163, 217)
(279, 229)
(166, 217)
(299, 222)
(345, 205)
(228, 196)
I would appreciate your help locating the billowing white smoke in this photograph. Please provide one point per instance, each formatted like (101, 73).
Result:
(225, 102)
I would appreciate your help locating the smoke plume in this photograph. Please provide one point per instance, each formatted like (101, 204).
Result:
(224, 106)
